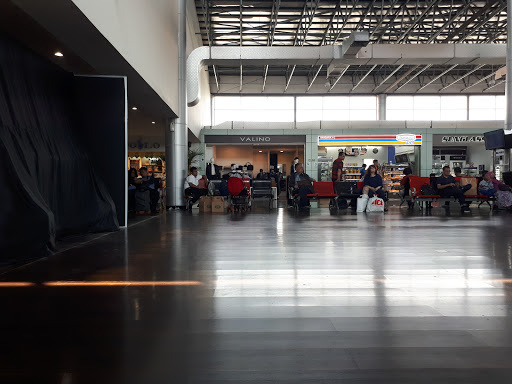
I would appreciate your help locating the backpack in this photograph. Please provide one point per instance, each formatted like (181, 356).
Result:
(426, 189)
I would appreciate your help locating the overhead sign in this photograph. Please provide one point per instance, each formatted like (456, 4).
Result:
(400, 139)
(255, 139)
(463, 139)
(458, 140)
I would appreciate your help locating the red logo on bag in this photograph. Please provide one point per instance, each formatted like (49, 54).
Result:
(378, 202)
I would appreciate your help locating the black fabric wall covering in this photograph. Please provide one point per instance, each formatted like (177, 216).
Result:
(49, 188)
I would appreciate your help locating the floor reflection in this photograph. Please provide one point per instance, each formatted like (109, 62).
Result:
(279, 297)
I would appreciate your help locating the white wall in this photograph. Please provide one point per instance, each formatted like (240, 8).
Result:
(145, 32)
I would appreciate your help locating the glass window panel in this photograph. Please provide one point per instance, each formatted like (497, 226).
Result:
(500, 102)
(482, 102)
(482, 114)
(335, 115)
(249, 102)
(309, 115)
(399, 102)
(309, 102)
(400, 114)
(500, 113)
(427, 102)
(336, 102)
(227, 102)
(453, 114)
(363, 114)
(454, 102)
(280, 103)
(363, 102)
(427, 114)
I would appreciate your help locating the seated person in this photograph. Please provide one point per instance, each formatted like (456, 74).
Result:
(261, 175)
(458, 173)
(192, 187)
(373, 183)
(363, 170)
(234, 172)
(503, 194)
(486, 187)
(301, 189)
(133, 181)
(405, 183)
(448, 186)
(152, 184)
(143, 195)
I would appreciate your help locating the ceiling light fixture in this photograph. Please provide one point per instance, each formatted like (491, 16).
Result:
(281, 151)
(260, 151)
(58, 54)
(152, 122)
(134, 108)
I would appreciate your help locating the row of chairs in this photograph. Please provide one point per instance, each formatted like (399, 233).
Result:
(256, 189)
(417, 197)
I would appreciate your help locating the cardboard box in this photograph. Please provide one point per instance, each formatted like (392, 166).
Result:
(205, 204)
(219, 204)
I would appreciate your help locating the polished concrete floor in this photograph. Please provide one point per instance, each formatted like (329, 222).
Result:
(269, 298)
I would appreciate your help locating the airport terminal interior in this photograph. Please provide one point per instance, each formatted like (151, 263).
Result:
(219, 191)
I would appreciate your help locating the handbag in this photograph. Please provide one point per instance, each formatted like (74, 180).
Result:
(362, 202)
(249, 166)
(375, 204)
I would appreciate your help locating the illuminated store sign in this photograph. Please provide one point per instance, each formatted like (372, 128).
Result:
(401, 139)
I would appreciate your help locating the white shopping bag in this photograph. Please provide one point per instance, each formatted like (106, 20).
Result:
(375, 204)
(362, 201)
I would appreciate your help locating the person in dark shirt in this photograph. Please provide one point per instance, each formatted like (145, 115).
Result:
(406, 184)
(448, 186)
(363, 170)
(373, 184)
(302, 190)
(337, 168)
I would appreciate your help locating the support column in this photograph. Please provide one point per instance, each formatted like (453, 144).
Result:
(176, 138)
(508, 87)
(381, 106)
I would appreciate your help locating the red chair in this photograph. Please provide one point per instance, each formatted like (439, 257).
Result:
(324, 189)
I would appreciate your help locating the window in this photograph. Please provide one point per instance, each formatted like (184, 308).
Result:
(486, 107)
(336, 108)
(252, 108)
(426, 108)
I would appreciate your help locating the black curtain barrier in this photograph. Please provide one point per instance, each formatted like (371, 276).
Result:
(49, 187)
(101, 111)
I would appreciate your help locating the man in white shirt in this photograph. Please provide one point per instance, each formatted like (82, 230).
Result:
(195, 185)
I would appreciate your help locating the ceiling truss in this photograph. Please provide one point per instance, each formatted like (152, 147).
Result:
(315, 22)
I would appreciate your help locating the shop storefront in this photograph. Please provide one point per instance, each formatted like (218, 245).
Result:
(149, 153)
(463, 151)
(394, 153)
(272, 153)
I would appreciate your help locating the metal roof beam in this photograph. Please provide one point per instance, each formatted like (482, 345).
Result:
(437, 77)
(481, 80)
(462, 77)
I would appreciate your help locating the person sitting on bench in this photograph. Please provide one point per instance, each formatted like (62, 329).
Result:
(193, 187)
(448, 186)
(406, 184)
(373, 183)
(302, 185)
(486, 187)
